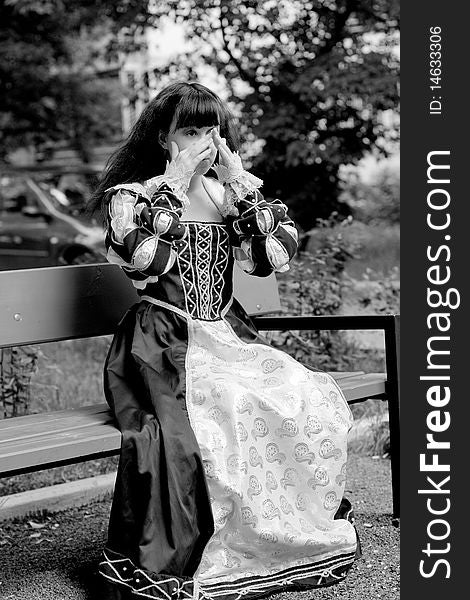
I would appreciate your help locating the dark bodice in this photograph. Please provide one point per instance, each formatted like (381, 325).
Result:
(200, 280)
(188, 265)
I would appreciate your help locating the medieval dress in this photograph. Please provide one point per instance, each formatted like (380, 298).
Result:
(233, 455)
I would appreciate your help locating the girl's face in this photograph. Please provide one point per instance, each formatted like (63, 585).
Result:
(185, 136)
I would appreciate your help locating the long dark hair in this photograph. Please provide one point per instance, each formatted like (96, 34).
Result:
(141, 156)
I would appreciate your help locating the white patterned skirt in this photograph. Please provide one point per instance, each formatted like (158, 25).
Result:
(272, 436)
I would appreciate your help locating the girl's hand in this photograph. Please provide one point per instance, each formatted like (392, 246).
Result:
(230, 167)
(191, 156)
(185, 162)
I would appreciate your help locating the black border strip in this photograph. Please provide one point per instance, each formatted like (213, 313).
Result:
(431, 567)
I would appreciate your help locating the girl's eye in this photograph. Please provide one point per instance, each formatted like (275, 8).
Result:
(191, 132)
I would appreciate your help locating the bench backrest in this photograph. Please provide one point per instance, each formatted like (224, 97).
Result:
(57, 303)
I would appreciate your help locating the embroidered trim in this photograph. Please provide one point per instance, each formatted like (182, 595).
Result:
(235, 174)
(316, 567)
(322, 573)
(182, 313)
(166, 305)
(231, 172)
(115, 567)
(238, 184)
(143, 583)
(203, 259)
(245, 185)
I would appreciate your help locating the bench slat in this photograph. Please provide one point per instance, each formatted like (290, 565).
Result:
(65, 426)
(43, 440)
(17, 426)
(344, 375)
(105, 442)
(49, 441)
(366, 385)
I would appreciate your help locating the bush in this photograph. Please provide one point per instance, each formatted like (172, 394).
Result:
(17, 366)
(317, 284)
(377, 202)
(313, 286)
(378, 296)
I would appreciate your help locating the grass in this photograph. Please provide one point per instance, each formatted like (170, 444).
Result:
(371, 434)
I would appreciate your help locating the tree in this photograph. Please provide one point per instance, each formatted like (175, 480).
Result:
(49, 88)
(319, 76)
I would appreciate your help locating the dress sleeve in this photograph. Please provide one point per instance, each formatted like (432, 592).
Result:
(141, 229)
(265, 238)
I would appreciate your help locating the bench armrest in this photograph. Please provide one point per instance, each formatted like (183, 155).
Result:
(329, 322)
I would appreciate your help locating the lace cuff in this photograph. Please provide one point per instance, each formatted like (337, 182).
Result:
(242, 183)
(236, 191)
(176, 178)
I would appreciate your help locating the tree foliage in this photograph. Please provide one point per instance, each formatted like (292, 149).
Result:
(49, 89)
(319, 75)
(317, 78)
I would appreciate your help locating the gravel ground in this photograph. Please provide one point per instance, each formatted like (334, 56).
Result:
(53, 557)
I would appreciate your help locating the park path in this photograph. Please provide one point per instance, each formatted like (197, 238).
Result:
(54, 557)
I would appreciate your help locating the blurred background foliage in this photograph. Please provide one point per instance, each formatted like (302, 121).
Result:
(49, 88)
(315, 83)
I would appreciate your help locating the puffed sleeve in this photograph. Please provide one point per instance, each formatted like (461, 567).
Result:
(264, 237)
(141, 229)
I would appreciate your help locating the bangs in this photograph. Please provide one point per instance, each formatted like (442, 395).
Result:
(198, 109)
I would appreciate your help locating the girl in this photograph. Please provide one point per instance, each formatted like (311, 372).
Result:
(233, 455)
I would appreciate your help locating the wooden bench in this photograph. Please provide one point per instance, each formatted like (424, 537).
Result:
(63, 303)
